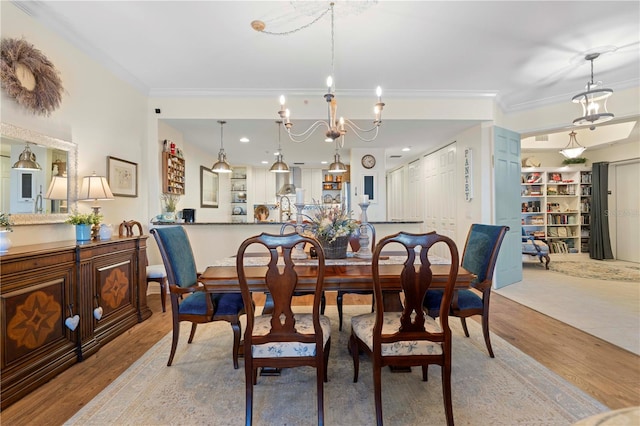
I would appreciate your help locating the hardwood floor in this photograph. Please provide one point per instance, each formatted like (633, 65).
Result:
(608, 373)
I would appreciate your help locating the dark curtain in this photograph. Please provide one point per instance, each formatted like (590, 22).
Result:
(600, 243)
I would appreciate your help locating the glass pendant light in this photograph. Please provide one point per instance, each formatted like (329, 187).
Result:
(279, 166)
(221, 166)
(573, 148)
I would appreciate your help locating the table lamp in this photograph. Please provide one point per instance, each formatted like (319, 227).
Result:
(95, 188)
(57, 192)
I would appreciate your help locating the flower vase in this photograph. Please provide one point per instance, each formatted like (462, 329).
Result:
(5, 242)
(83, 232)
(336, 249)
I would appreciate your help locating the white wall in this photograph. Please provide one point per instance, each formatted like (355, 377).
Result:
(101, 114)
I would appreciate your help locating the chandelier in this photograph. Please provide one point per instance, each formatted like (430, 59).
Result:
(221, 166)
(573, 148)
(593, 100)
(335, 127)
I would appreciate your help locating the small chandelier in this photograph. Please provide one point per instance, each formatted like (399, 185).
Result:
(26, 160)
(593, 101)
(573, 148)
(279, 166)
(221, 166)
(337, 166)
(335, 127)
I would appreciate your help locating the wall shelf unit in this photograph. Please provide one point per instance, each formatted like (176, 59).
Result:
(552, 207)
(172, 174)
(239, 195)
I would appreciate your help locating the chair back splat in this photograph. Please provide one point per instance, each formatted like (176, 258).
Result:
(280, 337)
(190, 301)
(410, 337)
(480, 255)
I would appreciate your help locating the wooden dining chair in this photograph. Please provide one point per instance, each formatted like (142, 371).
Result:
(410, 337)
(189, 300)
(155, 273)
(288, 227)
(354, 243)
(283, 338)
(479, 257)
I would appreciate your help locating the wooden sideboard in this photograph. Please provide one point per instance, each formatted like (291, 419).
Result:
(43, 286)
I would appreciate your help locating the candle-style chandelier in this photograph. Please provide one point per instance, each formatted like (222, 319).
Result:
(593, 100)
(335, 127)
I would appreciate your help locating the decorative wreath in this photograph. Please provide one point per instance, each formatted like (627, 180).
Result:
(29, 77)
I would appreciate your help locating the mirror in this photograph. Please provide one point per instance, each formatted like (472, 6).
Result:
(23, 192)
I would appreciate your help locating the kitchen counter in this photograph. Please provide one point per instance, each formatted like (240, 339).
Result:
(212, 241)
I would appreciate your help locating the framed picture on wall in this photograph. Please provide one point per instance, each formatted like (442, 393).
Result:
(123, 177)
(209, 187)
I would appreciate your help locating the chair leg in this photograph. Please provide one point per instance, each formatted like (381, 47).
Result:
(377, 391)
(193, 331)
(235, 326)
(174, 341)
(485, 332)
(163, 294)
(446, 393)
(249, 380)
(339, 304)
(425, 373)
(327, 349)
(353, 348)
(320, 379)
(464, 326)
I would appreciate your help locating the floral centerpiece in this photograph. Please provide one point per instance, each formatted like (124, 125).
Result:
(332, 225)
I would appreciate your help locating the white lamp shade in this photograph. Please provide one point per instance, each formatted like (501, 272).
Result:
(95, 188)
(57, 189)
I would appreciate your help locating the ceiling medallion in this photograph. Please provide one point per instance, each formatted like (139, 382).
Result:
(29, 77)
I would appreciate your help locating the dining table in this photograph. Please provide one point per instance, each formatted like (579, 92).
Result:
(349, 274)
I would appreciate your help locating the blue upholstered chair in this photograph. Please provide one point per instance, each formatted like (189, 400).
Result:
(407, 338)
(480, 254)
(190, 301)
(537, 248)
(282, 338)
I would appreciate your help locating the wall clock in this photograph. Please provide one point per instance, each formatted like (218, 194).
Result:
(368, 161)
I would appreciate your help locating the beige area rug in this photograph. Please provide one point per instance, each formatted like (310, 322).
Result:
(202, 388)
(600, 270)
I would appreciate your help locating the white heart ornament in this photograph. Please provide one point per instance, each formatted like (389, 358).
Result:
(72, 322)
(97, 313)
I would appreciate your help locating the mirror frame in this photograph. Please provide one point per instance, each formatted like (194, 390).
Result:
(30, 136)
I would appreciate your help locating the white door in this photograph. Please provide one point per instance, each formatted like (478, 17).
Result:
(626, 212)
(506, 175)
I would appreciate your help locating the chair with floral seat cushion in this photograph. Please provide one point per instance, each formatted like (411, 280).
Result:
(479, 257)
(282, 338)
(189, 300)
(354, 242)
(410, 337)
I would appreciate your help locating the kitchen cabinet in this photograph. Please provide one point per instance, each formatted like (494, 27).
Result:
(239, 209)
(173, 181)
(44, 286)
(263, 186)
(311, 181)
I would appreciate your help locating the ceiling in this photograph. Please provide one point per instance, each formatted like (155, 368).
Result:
(525, 54)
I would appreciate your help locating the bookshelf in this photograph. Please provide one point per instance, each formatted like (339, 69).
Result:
(553, 207)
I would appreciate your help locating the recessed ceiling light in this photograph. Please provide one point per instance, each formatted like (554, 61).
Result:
(406, 149)
(244, 139)
(323, 162)
(264, 162)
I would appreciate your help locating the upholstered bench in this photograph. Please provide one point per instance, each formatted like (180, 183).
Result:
(533, 247)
